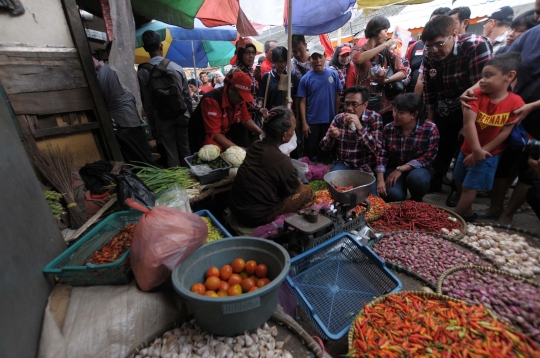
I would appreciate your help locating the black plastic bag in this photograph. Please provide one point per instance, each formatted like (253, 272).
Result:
(129, 185)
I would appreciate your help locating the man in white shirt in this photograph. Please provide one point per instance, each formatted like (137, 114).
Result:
(496, 26)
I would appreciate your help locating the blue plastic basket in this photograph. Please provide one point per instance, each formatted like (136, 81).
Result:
(68, 268)
(332, 281)
(224, 233)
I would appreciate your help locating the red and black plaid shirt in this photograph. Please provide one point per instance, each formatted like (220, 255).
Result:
(418, 149)
(460, 70)
(360, 147)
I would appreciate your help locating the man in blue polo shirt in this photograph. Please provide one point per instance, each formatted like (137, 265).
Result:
(319, 101)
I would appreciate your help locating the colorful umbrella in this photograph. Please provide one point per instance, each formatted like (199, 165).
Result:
(183, 13)
(211, 46)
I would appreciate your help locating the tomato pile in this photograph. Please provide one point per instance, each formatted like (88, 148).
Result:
(233, 280)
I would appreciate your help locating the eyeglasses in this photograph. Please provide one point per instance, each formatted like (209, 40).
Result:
(250, 53)
(437, 46)
(353, 104)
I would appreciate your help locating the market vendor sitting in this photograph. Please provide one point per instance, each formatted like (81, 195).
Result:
(357, 132)
(266, 184)
(409, 147)
(222, 117)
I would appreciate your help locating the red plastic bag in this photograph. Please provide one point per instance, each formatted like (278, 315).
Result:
(163, 239)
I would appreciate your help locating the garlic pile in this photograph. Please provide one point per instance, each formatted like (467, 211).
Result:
(510, 253)
(453, 232)
(189, 341)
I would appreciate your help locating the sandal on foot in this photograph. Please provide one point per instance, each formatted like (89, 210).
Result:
(483, 215)
(502, 224)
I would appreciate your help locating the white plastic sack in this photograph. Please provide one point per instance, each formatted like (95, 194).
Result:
(288, 147)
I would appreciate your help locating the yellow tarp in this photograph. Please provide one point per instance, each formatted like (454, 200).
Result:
(373, 5)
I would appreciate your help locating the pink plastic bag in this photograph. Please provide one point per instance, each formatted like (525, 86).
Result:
(163, 239)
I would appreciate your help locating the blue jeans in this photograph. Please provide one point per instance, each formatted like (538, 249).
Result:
(416, 181)
(345, 166)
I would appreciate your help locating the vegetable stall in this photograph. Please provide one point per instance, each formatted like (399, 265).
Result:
(391, 279)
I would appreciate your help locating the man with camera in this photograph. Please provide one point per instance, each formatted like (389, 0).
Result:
(452, 63)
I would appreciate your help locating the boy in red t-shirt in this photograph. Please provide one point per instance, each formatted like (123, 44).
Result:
(486, 126)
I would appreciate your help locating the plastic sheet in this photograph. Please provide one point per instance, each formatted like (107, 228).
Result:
(163, 239)
(175, 197)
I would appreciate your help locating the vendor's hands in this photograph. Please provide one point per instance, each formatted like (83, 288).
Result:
(523, 112)
(353, 118)
(333, 132)
(305, 129)
(466, 97)
(381, 188)
(535, 165)
(392, 178)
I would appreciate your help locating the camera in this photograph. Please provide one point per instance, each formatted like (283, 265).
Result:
(532, 148)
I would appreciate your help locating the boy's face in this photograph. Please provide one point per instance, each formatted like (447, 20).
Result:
(493, 80)
(317, 62)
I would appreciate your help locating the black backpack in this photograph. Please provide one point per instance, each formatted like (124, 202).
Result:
(166, 94)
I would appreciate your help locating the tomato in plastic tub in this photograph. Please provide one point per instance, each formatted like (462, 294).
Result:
(163, 239)
(231, 315)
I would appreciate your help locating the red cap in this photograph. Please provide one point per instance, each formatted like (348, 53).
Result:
(344, 50)
(242, 82)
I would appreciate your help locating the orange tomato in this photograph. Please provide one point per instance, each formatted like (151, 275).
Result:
(255, 278)
(244, 274)
(211, 294)
(238, 265)
(261, 271)
(212, 272)
(250, 267)
(225, 272)
(263, 282)
(224, 286)
(234, 279)
(235, 290)
(254, 288)
(198, 288)
(222, 294)
(212, 283)
(247, 284)
(318, 201)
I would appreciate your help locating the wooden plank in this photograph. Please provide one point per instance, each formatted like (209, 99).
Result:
(72, 100)
(41, 78)
(78, 35)
(46, 132)
(92, 220)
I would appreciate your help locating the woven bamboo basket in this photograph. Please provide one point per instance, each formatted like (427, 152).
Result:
(462, 222)
(433, 285)
(378, 300)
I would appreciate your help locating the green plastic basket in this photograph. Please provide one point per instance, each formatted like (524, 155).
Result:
(68, 268)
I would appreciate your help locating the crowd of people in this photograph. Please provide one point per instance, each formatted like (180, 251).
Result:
(456, 97)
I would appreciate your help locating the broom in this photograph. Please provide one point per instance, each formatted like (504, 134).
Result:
(55, 165)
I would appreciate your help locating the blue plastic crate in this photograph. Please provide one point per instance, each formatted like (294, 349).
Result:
(68, 268)
(332, 281)
(217, 224)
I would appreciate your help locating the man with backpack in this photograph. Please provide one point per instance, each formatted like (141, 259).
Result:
(166, 100)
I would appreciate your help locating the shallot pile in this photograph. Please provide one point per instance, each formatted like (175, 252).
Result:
(423, 254)
(189, 341)
(510, 253)
(514, 301)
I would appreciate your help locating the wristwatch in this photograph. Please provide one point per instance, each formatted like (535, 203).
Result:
(399, 168)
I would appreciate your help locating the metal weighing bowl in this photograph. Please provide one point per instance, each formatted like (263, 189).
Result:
(361, 182)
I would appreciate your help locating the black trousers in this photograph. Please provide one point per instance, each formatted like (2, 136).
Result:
(175, 138)
(449, 128)
(134, 145)
(312, 149)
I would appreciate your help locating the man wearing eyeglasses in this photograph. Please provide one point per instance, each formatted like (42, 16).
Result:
(357, 132)
(452, 64)
(496, 26)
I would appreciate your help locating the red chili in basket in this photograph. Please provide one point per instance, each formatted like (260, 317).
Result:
(412, 215)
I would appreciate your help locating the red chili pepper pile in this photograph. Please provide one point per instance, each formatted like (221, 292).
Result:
(341, 189)
(115, 248)
(412, 215)
(407, 325)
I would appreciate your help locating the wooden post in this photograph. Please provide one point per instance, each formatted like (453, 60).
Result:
(78, 35)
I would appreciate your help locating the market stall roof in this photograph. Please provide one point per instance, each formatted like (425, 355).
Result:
(416, 16)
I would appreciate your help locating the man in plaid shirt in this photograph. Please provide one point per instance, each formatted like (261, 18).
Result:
(357, 131)
(452, 64)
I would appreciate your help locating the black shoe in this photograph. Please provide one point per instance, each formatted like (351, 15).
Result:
(470, 218)
(452, 199)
